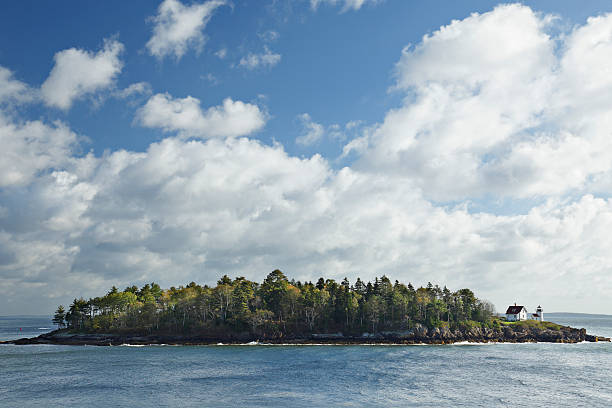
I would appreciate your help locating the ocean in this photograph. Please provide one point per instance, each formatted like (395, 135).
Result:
(468, 375)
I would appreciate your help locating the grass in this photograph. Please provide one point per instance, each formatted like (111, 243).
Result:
(533, 323)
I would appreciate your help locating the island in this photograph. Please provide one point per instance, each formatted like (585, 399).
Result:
(283, 311)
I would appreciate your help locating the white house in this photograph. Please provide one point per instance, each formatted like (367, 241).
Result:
(538, 315)
(516, 313)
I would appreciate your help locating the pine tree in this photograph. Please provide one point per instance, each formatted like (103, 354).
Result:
(59, 317)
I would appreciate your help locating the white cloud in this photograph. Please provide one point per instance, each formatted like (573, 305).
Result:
(346, 4)
(186, 210)
(179, 28)
(269, 36)
(516, 121)
(312, 131)
(222, 53)
(267, 59)
(210, 78)
(135, 89)
(77, 73)
(30, 148)
(13, 90)
(358, 145)
(233, 118)
(531, 121)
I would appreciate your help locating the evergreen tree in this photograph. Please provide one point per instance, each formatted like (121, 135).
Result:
(277, 307)
(273, 290)
(360, 287)
(59, 317)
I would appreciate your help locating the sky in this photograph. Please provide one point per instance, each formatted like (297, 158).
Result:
(467, 144)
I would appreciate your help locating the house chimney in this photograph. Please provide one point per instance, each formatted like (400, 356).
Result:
(514, 303)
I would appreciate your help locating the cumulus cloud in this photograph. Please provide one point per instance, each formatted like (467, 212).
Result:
(267, 59)
(30, 148)
(186, 210)
(312, 131)
(179, 27)
(518, 121)
(190, 209)
(346, 4)
(184, 116)
(77, 73)
(13, 90)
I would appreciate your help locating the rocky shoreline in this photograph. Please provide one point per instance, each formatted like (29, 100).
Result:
(417, 335)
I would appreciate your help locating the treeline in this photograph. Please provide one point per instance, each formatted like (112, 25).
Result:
(276, 307)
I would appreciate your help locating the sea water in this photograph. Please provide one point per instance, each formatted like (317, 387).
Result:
(470, 375)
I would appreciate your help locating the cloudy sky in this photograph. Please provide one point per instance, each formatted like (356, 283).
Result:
(464, 143)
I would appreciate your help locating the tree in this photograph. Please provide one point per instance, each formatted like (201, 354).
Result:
(400, 303)
(276, 307)
(225, 280)
(258, 318)
(223, 294)
(242, 296)
(314, 301)
(78, 313)
(374, 309)
(468, 299)
(290, 301)
(360, 287)
(273, 291)
(59, 317)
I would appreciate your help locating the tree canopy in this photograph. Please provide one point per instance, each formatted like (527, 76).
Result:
(276, 307)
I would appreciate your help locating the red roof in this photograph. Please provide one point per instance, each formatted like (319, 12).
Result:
(514, 309)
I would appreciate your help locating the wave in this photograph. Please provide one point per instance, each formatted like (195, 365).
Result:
(459, 343)
(257, 343)
(148, 345)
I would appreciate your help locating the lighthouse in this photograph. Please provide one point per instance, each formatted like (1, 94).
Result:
(539, 314)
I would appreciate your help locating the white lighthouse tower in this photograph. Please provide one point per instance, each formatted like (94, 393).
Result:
(539, 314)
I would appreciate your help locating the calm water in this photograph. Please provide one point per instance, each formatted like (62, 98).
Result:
(305, 376)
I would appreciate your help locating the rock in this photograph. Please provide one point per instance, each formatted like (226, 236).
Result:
(327, 335)
(420, 330)
(400, 335)
(434, 333)
(446, 333)
(418, 334)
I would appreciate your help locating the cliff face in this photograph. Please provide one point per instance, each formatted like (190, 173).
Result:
(484, 335)
(443, 335)
(419, 334)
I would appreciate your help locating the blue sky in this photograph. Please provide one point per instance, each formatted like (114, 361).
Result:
(336, 65)
(444, 141)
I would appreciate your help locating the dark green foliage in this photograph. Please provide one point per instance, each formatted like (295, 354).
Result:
(59, 317)
(277, 307)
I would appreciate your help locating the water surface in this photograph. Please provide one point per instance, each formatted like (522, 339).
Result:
(305, 376)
